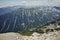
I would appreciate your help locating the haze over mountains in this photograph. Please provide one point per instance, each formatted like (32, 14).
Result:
(15, 19)
(4, 10)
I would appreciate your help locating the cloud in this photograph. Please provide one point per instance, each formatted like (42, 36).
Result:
(56, 2)
(32, 3)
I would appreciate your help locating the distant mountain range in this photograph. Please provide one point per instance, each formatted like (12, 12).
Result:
(8, 9)
(57, 7)
(15, 19)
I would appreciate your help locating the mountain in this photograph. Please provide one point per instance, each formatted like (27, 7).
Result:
(57, 7)
(23, 19)
(8, 9)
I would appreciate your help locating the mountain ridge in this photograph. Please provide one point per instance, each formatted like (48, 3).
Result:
(26, 18)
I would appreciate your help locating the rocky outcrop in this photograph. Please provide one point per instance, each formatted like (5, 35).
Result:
(35, 36)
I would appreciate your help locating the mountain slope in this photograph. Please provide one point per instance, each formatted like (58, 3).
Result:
(8, 9)
(57, 7)
(26, 18)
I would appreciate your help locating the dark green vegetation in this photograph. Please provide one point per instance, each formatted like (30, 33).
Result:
(40, 31)
(27, 33)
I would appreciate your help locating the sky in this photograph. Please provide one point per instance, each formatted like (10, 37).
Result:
(5, 3)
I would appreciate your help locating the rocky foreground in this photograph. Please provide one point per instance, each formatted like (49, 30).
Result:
(35, 36)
